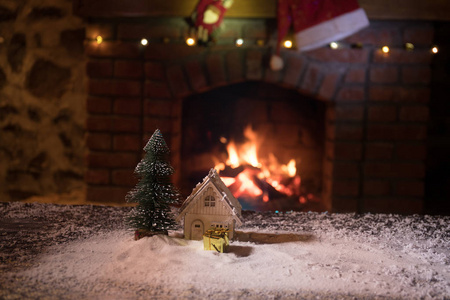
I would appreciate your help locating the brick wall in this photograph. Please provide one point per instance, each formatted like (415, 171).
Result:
(377, 103)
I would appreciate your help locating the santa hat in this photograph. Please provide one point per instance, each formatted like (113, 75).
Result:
(317, 23)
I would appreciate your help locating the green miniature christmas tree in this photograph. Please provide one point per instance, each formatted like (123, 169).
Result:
(154, 192)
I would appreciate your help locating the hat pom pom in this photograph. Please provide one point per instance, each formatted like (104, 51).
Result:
(276, 63)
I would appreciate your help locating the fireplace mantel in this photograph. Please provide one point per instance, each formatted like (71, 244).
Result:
(433, 10)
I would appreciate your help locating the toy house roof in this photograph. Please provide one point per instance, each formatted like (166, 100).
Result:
(227, 197)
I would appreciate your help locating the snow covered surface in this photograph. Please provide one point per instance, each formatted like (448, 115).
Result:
(86, 252)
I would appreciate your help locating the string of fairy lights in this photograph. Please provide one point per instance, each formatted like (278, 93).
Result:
(288, 44)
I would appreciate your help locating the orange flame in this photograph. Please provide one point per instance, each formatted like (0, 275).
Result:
(282, 178)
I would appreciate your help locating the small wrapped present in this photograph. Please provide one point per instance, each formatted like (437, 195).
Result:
(216, 239)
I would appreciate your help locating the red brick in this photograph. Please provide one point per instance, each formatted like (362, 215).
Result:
(196, 76)
(99, 68)
(411, 152)
(255, 31)
(348, 132)
(382, 113)
(98, 105)
(400, 56)
(99, 123)
(254, 65)
(97, 176)
(407, 206)
(151, 124)
(111, 160)
(124, 178)
(345, 187)
(399, 94)
(109, 123)
(126, 124)
(339, 55)
(154, 70)
(110, 194)
(157, 89)
(171, 51)
(394, 170)
(311, 79)
(234, 66)
(351, 94)
(414, 113)
(410, 188)
(375, 36)
(383, 74)
(128, 69)
(379, 151)
(347, 151)
(349, 113)
(328, 86)
(272, 76)
(177, 81)
(106, 31)
(158, 108)
(114, 87)
(112, 49)
(344, 204)
(355, 75)
(419, 36)
(393, 205)
(139, 31)
(127, 106)
(216, 71)
(294, 66)
(377, 188)
(421, 75)
(98, 141)
(345, 170)
(396, 132)
(127, 142)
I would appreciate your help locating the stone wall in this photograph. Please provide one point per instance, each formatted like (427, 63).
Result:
(42, 95)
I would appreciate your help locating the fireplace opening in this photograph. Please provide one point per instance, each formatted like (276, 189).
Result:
(266, 141)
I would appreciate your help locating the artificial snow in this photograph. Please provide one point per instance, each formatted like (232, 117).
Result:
(303, 255)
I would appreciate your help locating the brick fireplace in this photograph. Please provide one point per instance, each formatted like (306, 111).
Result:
(376, 104)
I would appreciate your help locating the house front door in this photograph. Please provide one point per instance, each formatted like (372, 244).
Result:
(197, 230)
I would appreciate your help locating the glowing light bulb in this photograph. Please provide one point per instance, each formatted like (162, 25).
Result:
(287, 44)
(385, 49)
(239, 42)
(144, 42)
(99, 39)
(435, 49)
(409, 47)
(190, 41)
(334, 45)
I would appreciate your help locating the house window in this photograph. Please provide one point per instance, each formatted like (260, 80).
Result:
(210, 201)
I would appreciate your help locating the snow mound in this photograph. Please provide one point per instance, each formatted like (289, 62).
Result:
(163, 265)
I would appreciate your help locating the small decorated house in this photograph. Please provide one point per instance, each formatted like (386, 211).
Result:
(210, 204)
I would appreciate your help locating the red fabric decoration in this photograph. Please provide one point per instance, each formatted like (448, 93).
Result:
(319, 22)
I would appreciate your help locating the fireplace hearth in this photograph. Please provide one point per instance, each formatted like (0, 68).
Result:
(267, 127)
(370, 142)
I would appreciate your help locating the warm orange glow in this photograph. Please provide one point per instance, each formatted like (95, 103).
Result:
(233, 158)
(256, 174)
(287, 44)
(247, 187)
(99, 39)
(290, 168)
(190, 41)
(228, 180)
(385, 49)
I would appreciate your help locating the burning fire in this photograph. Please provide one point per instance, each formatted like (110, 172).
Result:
(258, 178)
